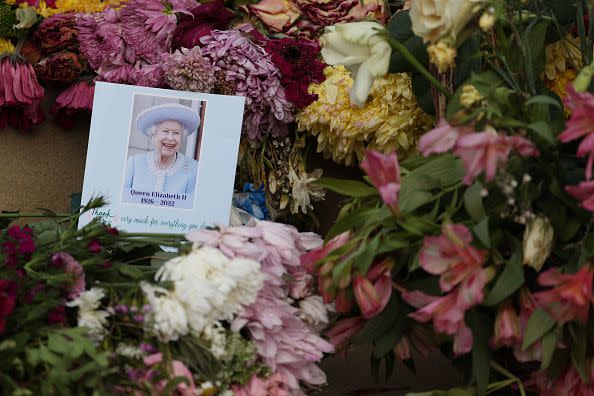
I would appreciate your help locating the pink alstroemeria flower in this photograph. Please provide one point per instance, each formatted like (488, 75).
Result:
(384, 172)
(571, 296)
(583, 192)
(311, 258)
(507, 327)
(373, 291)
(580, 124)
(343, 330)
(451, 255)
(441, 139)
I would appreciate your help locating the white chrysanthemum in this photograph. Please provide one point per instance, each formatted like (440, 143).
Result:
(313, 311)
(88, 315)
(168, 319)
(210, 286)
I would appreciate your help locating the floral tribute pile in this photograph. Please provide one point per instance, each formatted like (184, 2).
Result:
(269, 52)
(98, 311)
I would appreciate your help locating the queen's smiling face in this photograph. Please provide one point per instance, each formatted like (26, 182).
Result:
(167, 137)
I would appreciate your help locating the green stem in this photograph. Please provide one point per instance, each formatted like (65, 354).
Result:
(509, 375)
(19, 215)
(417, 65)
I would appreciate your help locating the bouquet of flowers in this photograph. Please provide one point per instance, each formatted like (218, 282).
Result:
(481, 246)
(100, 311)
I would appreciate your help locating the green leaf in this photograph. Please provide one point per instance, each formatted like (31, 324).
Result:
(351, 188)
(352, 220)
(130, 270)
(473, 202)
(400, 28)
(378, 325)
(543, 130)
(387, 341)
(364, 260)
(509, 281)
(549, 342)
(481, 230)
(538, 325)
(579, 340)
(481, 353)
(543, 99)
(45, 232)
(57, 343)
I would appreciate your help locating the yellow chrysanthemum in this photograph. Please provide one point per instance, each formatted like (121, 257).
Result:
(391, 119)
(562, 55)
(559, 84)
(73, 6)
(6, 45)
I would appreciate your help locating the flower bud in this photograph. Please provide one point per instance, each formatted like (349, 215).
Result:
(487, 21)
(538, 240)
(442, 55)
(507, 327)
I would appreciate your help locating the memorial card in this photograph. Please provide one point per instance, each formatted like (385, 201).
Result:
(165, 160)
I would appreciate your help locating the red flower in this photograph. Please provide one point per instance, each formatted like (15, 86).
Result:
(62, 67)
(343, 330)
(570, 298)
(77, 98)
(205, 18)
(8, 291)
(57, 315)
(299, 64)
(58, 33)
(384, 172)
(94, 246)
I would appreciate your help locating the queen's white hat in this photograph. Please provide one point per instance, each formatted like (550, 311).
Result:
(188, 117)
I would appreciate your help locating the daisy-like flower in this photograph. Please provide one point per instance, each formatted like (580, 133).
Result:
(88, 315)
(267, 110)
(187, 70)
(391, 118)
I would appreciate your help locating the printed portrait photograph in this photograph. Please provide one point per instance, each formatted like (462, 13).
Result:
(163, 151)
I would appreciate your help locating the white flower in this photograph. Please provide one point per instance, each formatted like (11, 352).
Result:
(210, 286)
(433, 20)
(304, 190)
(129, 351)
(362, 48)
(313, 311)
(538, 240)
(168, 319)
(88, 314)
(215, 334)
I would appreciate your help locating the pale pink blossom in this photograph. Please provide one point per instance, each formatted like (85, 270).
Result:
(441, 139)
(571, 296)
(271, 386)
(507, 327)
(74, 270)
(373, 291)
(580, 124)
(451, 255)
(384, 172)
(176, 369)
(583, 192)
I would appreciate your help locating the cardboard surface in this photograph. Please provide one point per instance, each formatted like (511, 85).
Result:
(43, 168)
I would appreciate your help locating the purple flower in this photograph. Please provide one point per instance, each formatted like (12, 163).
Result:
(267, 110)
(74, 269)
(100, 37)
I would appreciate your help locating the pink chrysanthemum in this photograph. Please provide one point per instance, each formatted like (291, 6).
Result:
(267, 110)
(73, 269)
(100, 37)
(284, 342)
(78, 97)
(20, 94)
(188, 70)
(148, 25)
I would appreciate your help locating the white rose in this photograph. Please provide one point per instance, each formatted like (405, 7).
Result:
(433, 20)
(361, 47)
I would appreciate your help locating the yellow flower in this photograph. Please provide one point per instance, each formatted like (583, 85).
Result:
(561, 55)
(487, 21)
(391, 118)
(442, 55)
(62, 6)
(6, 45)
(470, 95)
(559, 84)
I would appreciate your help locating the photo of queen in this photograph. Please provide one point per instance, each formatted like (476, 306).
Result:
(164, 169)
